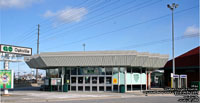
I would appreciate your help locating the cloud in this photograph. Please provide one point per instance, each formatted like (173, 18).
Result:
(48, 14)
(68, 14)
(16, 3)
(191, 30)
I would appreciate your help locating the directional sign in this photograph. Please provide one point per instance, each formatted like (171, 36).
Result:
(15, 50)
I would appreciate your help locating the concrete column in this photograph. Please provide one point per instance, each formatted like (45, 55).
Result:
(125, 71)
(97, 83)
(131, 79)
(104, 83)
(146, 78)
(70, 79)
(76, 78)
(140, 79)
(84, 83)
(63, 76)
(119, 79)
(90, 83)
(112, 80)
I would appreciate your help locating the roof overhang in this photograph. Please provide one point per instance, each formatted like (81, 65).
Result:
(96, 58)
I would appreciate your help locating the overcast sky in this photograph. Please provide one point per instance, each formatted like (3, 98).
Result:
(141, 25)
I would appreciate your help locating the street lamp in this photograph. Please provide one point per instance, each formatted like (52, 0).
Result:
(172, 8)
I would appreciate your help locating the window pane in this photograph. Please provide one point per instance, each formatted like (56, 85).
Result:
(101, 80)
(108, 71)
(108, 80)
(73, 79)
(108, 88)
(135, 70)
(96, 71)
(73, 88)
(94, 80)
(80, 80)
(101, 88)
(122, 70)
(102, 71)
(128, 70)
(94, 88)
(90, 71)
(115, 70)
(53, 73)
(80, 71)
(87, 88)
(87, 80)
(73, 71)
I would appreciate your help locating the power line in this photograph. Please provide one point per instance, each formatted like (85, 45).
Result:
(15, 39)
(32, 41)
(124, 28)
(157, 42)
(113, 15)
(26, 35)
(47, 20)
(79, 13)
(49, 26)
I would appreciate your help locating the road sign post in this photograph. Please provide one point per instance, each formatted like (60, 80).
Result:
(6, 75)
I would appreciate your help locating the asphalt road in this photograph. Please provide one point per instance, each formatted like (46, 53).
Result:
(149, 99)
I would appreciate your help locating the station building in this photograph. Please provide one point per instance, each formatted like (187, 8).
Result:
(100, 70)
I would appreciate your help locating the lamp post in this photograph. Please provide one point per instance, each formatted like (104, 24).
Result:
(172, 8)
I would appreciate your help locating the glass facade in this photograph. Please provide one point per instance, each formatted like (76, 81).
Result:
(99, 78)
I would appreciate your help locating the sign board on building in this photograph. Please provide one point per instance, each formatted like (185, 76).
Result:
(55, 81)
(6, 79)
(183, 76)
(175, 76)
(15, 50)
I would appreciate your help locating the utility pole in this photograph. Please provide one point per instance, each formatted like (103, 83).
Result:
(84, 46)
(37, 50)
(172, 7)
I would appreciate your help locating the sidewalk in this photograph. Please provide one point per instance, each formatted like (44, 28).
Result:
(41, 96)
(44, 96)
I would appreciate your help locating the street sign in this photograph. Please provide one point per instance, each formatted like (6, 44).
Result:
(6, 79)
(15, 50)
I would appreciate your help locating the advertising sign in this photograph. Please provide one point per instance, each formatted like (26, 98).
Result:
(114, 80)
(15, 50)
(6, 79)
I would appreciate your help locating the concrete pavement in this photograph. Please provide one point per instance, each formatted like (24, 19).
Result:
(44, 96)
